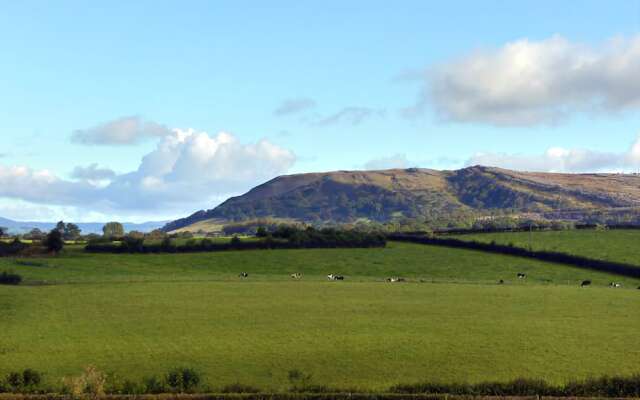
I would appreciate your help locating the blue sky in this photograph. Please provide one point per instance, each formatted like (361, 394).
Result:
(359, 84)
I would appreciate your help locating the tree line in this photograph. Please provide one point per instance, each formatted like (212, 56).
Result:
(284, 237)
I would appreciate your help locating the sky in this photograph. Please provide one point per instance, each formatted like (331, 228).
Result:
(151, 110)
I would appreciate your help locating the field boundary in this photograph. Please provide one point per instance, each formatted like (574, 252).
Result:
(294, 396)
(623, 269)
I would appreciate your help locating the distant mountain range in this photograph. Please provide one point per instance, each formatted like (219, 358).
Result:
(86, 227)
(345, 196)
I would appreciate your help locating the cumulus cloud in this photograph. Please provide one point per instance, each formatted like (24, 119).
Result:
(394, 161)
(119, 132)
(535, 82)
(558, 159)
(294, 106)
(350, 115)
(187, 170)
(92, 173)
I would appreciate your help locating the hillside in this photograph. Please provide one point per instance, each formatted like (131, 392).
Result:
(431, 195)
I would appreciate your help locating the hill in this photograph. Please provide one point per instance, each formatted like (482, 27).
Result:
(430, 195)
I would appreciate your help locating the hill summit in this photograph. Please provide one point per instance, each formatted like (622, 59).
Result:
(426, 194)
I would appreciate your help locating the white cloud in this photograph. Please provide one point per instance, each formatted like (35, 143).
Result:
(294, 106)
(119, 132)
(557, 159)
(535, 82)
(187, 170)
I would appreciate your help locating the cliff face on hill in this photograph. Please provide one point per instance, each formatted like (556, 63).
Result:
(344, 196)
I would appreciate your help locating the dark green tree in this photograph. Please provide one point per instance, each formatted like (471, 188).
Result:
(54, 241)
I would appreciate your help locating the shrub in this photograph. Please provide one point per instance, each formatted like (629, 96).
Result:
(183, 380)
(10, 278)
(91, 382)
(153, 385)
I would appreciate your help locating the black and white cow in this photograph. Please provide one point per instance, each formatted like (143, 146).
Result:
(585, 283)
(615, 285)
(297, 275)
(243, 275)
(521, 275)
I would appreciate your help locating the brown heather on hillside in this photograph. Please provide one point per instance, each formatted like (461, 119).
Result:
(430, 195)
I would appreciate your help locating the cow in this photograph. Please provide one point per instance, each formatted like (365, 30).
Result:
(501, 282)
(334, 277)
(395, 279)
(615, 285)
(243, 275)
(297, 275)
(585, 283)
(339, 278)
(521, 275)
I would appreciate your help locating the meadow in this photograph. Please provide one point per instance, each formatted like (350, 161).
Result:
(140, 315)
(620, 245)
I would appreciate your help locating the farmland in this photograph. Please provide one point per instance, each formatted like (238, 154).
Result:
(620, 245)
(139, 315)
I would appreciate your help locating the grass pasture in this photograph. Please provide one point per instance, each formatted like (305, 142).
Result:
(620, 245)
(138, 315)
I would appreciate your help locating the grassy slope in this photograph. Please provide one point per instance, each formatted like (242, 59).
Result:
(402, 259)
(137, 315)
(611, 245)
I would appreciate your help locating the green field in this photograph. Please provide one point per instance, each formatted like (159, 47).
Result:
(138, 315)
(619, 245)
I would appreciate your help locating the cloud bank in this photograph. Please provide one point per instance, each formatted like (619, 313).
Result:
(187, 170)
(120, 132)
(558, 159)
(528, 82)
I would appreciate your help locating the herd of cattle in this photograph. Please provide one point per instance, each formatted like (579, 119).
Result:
(335, 277)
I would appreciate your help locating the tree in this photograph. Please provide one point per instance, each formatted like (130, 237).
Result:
(113, 229)
(54, 241)
(3, 231)
(60, 226)
(72, 231)
(35, 234)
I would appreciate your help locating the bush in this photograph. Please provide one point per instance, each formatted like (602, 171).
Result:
(182, 380)
(10, 278)
(91, 382)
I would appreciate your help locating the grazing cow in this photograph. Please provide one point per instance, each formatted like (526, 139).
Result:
(395, 279)
(501, 282)
(297, 275)
(243, 275)
(521, 275)
(334, 277)
(585, 283)
(615, 285)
